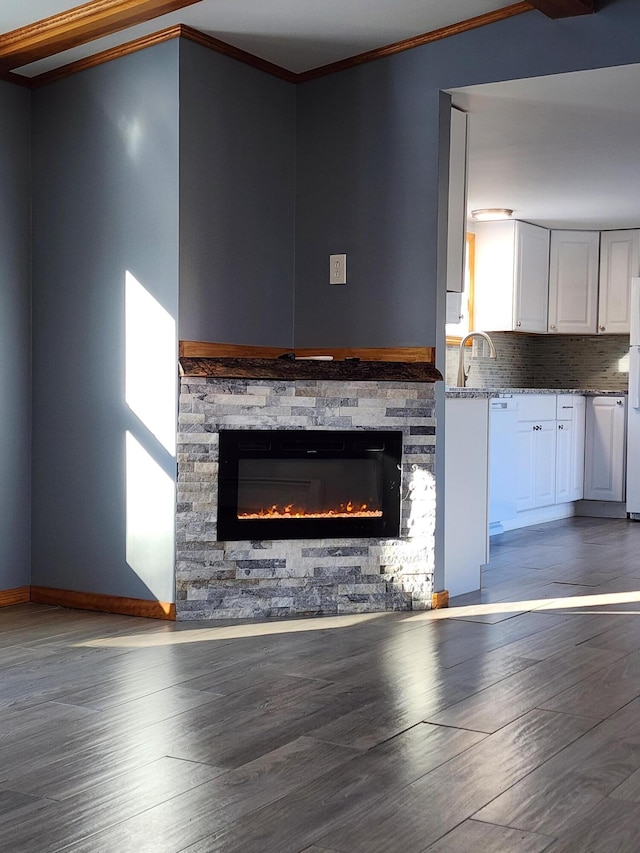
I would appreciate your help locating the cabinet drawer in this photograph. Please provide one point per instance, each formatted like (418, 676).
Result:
(565, 406)
(536, 407)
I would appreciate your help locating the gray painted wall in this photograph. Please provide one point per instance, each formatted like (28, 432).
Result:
(365, 186)
(15, 338)
(367, 181)
(237, 174)
(105, 200)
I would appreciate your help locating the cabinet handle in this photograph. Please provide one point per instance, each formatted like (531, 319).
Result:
(560, 426)
(602, 329)
(518, 323)
(554, 327)
(619, 403)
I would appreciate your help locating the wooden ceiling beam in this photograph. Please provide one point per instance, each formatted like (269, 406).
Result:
(564, 8)
(78, 26)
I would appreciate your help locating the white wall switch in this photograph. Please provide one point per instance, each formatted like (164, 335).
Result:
(337, 269)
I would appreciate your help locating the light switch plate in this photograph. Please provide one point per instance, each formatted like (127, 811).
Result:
(337, 269)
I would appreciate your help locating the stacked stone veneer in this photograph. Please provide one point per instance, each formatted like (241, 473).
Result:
(222, 580)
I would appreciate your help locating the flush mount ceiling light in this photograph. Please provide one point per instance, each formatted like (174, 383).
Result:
(489, 213)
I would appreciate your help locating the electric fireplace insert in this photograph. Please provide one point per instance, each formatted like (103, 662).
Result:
(311, 484)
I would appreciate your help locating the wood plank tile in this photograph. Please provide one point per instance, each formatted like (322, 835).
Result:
(612, 826)
(377, 721)
(602, 694)
(504, 702)
(357, 815)
(175, 824)
(98, 709)
(112, 801)
(485, 837)
(568, 786)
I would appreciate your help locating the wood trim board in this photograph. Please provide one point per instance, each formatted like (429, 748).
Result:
(236, 53)
(18, 595)
(105, 56)
(28, 54)
(564, 8)
(103, 17)
(103, 603)
(206, 349)
(78, 26)
(417, 41)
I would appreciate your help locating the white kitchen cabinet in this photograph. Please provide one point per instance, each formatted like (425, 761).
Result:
(536, 439)
(536, 473)
(547, 467)
(605, 448)
(570, 429)
(503, 460)
(619, 262)
(573, 282)
(466, 513)
(511, 286)
(457, 216)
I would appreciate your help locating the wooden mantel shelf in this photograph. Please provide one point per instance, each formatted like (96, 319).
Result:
(235, 361)
(350, 370)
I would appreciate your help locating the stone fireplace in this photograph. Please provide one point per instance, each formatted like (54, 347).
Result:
(278, 569)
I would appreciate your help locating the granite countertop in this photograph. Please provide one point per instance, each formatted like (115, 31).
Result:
(475, 393)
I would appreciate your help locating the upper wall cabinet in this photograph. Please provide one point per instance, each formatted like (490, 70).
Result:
(457, 217)
(573, 282)
(511, 276)
(619, 262)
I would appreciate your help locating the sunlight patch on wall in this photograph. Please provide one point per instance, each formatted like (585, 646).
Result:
(150, 501)
(150, 362)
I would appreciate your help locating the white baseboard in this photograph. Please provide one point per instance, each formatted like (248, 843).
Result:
(540, 516)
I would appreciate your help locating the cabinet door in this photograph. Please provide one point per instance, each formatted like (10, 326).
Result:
(457, 217)
(577, 449)
(531, 278)
(465, 502)
(605, 449)
(619, 262)
(564, 462)
(536, 471)
(503, 460)
(570, 449)
(525, 471)
(493, 275)
(545, 463)
(573, 282)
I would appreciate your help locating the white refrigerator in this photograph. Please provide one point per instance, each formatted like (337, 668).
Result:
(633, 406)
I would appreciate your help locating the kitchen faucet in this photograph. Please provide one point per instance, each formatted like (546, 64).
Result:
(462, 374)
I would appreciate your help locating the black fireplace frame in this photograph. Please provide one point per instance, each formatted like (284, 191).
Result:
(235, 445)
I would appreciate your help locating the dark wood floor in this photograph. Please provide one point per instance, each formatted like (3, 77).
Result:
(508, 724)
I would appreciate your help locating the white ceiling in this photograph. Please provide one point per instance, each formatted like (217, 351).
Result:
(296, 34)
(560, 151)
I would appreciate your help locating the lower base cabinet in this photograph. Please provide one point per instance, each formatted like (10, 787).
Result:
(536, 479)
(605, 449)
(466, 508)
(570, 443)
(550, 448)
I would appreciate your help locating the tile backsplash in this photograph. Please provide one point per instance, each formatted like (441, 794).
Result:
(547, 361)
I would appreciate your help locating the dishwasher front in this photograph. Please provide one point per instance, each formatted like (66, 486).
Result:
(503, 461)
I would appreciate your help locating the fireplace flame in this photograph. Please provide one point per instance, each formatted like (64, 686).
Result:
(348, 510)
